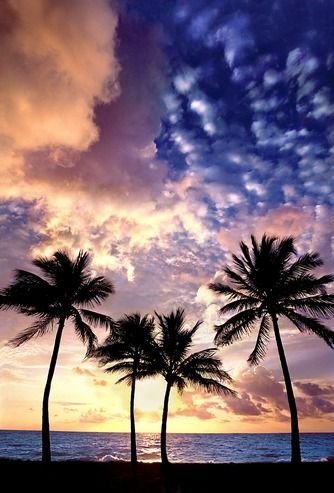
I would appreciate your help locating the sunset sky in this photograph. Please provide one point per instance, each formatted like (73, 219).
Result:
(157, 134)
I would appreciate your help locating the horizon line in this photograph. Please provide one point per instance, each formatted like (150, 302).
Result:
(177, 433)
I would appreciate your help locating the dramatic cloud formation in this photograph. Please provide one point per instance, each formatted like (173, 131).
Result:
(157, 136)
(261, 393)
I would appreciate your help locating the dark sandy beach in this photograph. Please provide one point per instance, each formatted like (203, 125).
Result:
(176, 478)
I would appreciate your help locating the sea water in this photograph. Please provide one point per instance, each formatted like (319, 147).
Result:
(199, 447)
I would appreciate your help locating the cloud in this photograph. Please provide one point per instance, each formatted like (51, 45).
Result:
(321, 406)
(96, 415)
(263, 394)
(244, 406)
(101, 199)
(263, 387)
(83, 371)
(146, 415)
(9, 376)
(88, 373)
(100, 383)
(48, 94)
(284, 221)
(314, 389)
(191, 406)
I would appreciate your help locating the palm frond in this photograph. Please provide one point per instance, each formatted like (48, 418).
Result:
(128, 379)
(81, 262)
(259, 351)
(27, 291)
(245, 251)
(311, 325)
(38, 329)
(180, 383)
(47, 266)
(285, 249)
(93, 292)
(209, 384)
(303, 285)
(84, 332)
(239, 305)
(240, 265)
(174, 340)
(235, 327)
(204, 362)
(116, 351)
(303, 264)
(125, 367)
(226, 290)
(120, 366)
(317, 306)
(98, 319)
(241, 282)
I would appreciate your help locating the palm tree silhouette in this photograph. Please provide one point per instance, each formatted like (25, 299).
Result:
(129, 347)
(65, 292)
(180, 368)
(266, 282)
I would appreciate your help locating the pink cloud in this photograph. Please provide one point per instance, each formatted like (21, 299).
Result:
(244, 406)
(314, 389)
(46, 82)
(283, 221)
(263, 394)
(196, 405)
(263, 387)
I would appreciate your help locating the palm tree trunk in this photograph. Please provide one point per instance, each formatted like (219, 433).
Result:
(295, 441)
(46, 448)
(164, 457)
(132, 420)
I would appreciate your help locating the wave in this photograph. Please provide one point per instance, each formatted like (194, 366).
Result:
(149, 456)
(110, 458)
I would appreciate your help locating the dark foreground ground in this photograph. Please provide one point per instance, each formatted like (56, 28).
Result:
(176, 478)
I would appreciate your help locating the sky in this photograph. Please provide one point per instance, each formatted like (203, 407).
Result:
(157, 135)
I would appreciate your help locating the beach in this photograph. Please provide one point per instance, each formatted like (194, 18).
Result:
(121, 477)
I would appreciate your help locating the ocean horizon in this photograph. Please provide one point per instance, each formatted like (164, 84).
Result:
(182, 447)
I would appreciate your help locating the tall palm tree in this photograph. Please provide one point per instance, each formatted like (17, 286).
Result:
(127, 350)
(66, 291)
(180, 367)
(269, 281)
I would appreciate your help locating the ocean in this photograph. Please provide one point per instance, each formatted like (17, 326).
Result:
(232, 447)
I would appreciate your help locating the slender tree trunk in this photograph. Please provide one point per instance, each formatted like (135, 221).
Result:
(164, 458)
(132, 420)
(46, 448)
(295, 441)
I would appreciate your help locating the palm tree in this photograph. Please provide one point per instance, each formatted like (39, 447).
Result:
(266, 282)
(66, 292)
(180, 367)
(128, 348)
